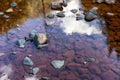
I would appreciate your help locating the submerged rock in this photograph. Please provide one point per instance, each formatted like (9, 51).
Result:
(5, 16)
(21, 43)
(57, 63)
(60, 14)
(35, 70)
(50, 22)
(27, 61)
(44, 78)
(40, 40)
(90, 59)
(92, 14)
(13, 4)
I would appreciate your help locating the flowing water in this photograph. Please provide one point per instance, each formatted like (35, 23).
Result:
(69, 40)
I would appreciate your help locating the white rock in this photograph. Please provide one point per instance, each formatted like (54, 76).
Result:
(9, 10)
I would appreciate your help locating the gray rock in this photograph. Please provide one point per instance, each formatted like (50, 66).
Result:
(35, 70)
(79, 18)
(50, 15)
(5, 16)
(27, 61)
(13, 4)
(64, 3)
(50, 22)
(60, 14)
(74, 10)
(92, 14)
(90, 59)
(57, 63)
(21, 43)
(32, 34)
(1, 13)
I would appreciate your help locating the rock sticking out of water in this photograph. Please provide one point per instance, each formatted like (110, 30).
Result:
(90, 59)
(13, 4)
(14, 53)
(60, 14)
(92, 14)
(40, 40)
(32, 34)
(79, 18)
(21, 43)
(27, 61)
(9, 10)
(74, 10)
(56, 4)
(50, 15)
(57, 63)
(64, 3)
(1, 13)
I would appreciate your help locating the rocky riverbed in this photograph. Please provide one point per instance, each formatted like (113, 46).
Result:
(76, 49)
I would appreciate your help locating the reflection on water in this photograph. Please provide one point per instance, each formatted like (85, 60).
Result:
(85, 41)
(23, 10)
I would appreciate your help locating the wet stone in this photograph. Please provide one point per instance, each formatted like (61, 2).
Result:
(13, 4)
(32, 34)
(91, 15)
(5, 16)
(40, 40)
(74, 10)
(1, 13)
(60, 14)
(35, 70)
(27, 61)
(79, 18)
(21, 43)
(90, 59)
(64, 3)
(57, 63)
(50, 15)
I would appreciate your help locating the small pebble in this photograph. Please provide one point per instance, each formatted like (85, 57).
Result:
(13, 4)
(1, 13)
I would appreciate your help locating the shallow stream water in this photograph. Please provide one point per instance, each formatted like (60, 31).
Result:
(69, 40)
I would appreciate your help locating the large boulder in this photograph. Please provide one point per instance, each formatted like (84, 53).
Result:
(40, 40)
